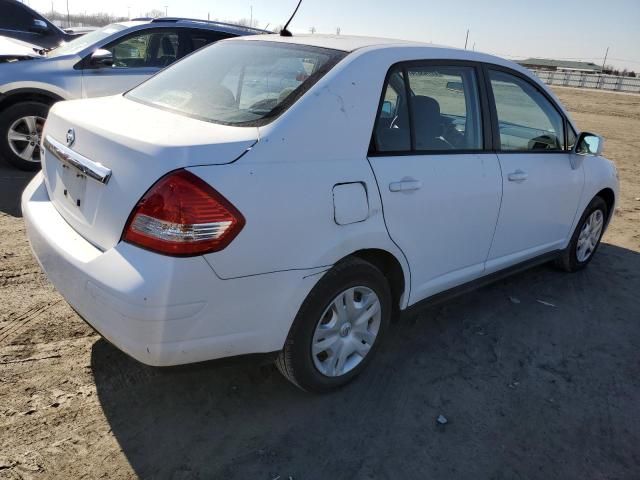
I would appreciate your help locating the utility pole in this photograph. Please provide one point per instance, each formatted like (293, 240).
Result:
(251, 18)
(604, 62)
(467, 39)
(605, 59)
(68, 16)
(165, 11)
(129, 12)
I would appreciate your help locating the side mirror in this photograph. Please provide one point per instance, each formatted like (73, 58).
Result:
(589, 144)
(387, 109)
(102, 58)
(39, 26)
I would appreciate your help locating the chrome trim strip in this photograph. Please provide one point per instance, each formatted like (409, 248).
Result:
(90, 168)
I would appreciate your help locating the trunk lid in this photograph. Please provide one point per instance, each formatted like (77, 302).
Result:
(138, 144)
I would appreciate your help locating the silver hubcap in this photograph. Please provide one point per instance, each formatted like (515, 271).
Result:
(24, 137)
(589, 235)
(346, 331)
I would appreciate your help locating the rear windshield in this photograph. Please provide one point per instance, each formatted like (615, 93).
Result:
(242, 83)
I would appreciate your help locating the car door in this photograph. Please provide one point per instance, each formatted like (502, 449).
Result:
(440, 187)
(541, 187)
(136, 57)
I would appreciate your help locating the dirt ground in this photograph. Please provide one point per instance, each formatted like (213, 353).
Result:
(529, 390)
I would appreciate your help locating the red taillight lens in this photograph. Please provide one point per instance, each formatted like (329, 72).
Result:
(182, 215)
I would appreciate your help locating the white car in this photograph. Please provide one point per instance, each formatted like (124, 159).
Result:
(193, 218)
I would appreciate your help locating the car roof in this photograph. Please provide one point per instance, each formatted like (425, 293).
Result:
(216, 26)
(351, 43)
(346, 43)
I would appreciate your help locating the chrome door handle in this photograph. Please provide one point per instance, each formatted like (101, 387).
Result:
(405, 186)
(518, 176)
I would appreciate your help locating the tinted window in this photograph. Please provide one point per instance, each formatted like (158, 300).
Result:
(14, 17)
(246, 81)
(445, 108)
(527, 120)
(200, 38)
(392, 127)
(150, 49)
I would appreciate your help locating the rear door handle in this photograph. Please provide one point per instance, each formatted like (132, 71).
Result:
(518, 176)
(405, 186)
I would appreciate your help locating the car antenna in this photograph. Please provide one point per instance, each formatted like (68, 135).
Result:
(284, 32)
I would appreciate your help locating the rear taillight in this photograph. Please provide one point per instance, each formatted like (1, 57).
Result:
(182, 215)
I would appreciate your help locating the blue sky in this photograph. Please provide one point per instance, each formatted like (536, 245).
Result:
(569, 29)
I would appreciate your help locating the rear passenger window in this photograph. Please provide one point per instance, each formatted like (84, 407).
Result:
(445, 108)
(441, 112)
(201, 39)
(527, 120)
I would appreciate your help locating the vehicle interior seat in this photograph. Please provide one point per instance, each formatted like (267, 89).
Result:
(168, 52)
(428, 124)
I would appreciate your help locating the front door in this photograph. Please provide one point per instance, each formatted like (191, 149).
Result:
(440, 190)
(541, 188)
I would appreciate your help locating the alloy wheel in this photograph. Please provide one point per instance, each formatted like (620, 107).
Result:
(24, 138)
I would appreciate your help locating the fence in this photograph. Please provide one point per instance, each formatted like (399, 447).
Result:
(589, 80)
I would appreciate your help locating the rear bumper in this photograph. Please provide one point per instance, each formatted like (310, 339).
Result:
(161, 310)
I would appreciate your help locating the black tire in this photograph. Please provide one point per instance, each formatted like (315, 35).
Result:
(568, 261)
(7, 118)
(295, 361)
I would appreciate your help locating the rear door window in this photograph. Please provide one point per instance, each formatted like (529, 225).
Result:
(430, 108)
(200, 38)
(445, 108)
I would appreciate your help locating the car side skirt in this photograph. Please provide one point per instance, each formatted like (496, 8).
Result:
(479, 282)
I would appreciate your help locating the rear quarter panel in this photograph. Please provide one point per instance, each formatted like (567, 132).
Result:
(284, 185)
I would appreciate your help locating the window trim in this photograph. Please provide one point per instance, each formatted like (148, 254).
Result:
(495, 124)
(486, 123)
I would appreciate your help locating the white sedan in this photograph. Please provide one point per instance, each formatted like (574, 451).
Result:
(290, 195)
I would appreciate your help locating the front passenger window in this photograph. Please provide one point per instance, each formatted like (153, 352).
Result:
(151, 49)
(527, 120)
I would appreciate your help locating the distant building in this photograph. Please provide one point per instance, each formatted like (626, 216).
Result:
(560, 65)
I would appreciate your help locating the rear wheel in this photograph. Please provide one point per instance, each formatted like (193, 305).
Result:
(338, 328)
(586, 237)
(20, 134)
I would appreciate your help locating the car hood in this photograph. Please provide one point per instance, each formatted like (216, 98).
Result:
(15, 50)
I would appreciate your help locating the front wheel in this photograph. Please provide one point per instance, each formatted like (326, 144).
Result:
(586, 237)
(338, 328)
(20, 131)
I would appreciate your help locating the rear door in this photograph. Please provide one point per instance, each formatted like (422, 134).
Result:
(136, 57)
(541, 187)
(440, 188)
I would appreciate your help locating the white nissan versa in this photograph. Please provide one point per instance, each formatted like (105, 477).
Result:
(274, 194)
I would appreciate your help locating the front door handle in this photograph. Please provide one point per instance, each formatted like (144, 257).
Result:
(518, 176)
(405, 186)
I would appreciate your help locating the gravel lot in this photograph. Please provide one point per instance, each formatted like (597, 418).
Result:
(529, 390)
